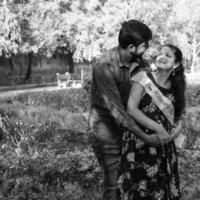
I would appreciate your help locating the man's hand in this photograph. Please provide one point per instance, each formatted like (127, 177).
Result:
(152, 140)
(155, 139)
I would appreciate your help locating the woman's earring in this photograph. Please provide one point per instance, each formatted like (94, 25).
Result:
(174, 68)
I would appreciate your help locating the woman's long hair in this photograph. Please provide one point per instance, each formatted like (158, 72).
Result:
(178, 82)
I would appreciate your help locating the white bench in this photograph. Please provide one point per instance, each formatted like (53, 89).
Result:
(64, 81)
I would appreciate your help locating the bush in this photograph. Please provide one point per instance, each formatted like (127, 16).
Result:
(44, 154)
(32, 127)
(191, 128)
(193, 95)
(47, 175)
(73, 100)
(39, 160)
(189, 174)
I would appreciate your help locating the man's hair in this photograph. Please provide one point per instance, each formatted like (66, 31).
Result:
(134, 32)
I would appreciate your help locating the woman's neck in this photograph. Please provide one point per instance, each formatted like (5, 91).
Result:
(162, 78)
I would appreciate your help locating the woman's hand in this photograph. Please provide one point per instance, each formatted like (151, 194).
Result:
(163, 138)
(162, 134)
(160, 130)
(176, 130)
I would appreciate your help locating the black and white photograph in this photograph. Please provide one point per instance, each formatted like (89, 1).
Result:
(99, 100)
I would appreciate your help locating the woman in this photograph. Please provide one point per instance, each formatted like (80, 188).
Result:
(156, 102)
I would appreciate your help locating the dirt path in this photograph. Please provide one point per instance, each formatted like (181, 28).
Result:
(16, 92)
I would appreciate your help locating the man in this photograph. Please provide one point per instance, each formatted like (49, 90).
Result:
(109, 95)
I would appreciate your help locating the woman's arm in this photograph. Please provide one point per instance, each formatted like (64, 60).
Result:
(132, 109)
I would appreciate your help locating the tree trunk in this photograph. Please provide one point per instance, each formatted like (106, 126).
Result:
(29, 70)
(71, 62)
(11, 70)
(11, 64)
(193, 55)
(128, 10)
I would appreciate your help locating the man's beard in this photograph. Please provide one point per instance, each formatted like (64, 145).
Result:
(135, 57)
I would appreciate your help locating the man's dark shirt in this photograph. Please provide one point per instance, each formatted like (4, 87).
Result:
(109, 94)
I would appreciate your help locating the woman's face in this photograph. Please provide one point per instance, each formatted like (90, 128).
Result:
(166, 59)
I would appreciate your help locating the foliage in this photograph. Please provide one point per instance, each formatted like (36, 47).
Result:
(44, 151)
(46, 175)
(53, 164)
(40, 159)
(72, 100)
(193, 95)
(87, 27)
(189, 175)
(186, 28)
(10, 36)
(191, 130)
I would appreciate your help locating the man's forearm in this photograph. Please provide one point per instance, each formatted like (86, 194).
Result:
(152, 140)
(138, 132)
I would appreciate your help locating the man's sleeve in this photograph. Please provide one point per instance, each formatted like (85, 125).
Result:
(105, 79)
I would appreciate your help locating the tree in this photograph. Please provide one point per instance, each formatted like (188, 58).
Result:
(40, 29)
(82, 29)
(10, 36)
(186, 26)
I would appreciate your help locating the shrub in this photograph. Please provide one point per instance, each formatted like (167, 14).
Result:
(72, 175)
(32, 128)
(189, 174)
(193, 95)
(74, 100)
(44, 153)
(33, 165)
(191, 129)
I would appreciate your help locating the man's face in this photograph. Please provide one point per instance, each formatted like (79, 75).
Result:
(137, 52)
(141, 48)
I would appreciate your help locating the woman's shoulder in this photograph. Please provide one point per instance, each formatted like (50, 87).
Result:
(139, 76)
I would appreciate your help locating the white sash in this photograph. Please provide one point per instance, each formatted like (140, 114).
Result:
(163, 103)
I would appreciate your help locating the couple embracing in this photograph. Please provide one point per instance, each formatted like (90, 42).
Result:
(135, 116)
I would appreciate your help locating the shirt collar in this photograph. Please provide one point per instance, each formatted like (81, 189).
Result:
(119, 59)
